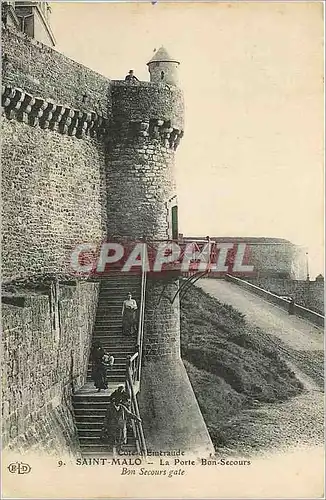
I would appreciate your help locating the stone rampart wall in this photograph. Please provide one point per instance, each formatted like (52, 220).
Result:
(53, 195)
(43, 362)
(44, 72)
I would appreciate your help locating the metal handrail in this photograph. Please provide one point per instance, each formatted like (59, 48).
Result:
(133, 367)
(138, 426)
(140, 335)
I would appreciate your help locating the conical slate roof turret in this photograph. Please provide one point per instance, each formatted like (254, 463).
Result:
(162, 55)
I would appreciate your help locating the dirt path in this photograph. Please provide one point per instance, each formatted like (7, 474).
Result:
(298, 422)
(295, 332)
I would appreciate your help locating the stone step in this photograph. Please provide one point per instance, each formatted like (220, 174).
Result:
(109, 311)
(115, 371)
(120, 276)
(94, 432)
(98, 413)
(92, 410)
(97, 445)
(83, 426)
(120, 351)
(118, 361)
(113, 376)
(121, 284)
(89, 426)
(122, 290)
(111, 331)
(120, 369)
(110, 340)
(108, 320)
(95, 396)
(95, 449)
(93, 441)
(118, 365)
(92, 402)
(121, 348)
(118, 379)
(98, 420)
(107, 344)
(113, 299)
(115, 339)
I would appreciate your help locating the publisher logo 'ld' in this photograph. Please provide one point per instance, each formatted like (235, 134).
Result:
(19, 468)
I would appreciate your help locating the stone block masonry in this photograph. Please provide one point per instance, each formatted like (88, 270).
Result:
(53, 198)
(147, 100)
(162, 314)
(45, 73)
(137, 204)
(53, 156)
(40, 367)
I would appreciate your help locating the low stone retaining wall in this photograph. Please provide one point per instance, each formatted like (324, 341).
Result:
(302, 312)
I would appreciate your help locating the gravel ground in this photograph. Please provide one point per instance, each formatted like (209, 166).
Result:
(298, 422)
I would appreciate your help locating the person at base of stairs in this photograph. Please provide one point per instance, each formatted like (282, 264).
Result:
(129, 308)
(114, 430)
(120, 396)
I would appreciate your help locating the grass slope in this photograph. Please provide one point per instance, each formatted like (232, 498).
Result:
(231, 365)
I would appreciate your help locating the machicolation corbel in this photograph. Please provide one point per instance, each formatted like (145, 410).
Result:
(37, 111)
(156, 129)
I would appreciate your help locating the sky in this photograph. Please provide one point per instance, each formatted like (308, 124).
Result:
(251, 160)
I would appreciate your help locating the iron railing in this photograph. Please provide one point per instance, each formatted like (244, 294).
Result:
(133, 370)
(141, 321)
(137, 426)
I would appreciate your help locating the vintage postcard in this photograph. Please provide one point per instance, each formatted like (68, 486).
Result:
(162, 249)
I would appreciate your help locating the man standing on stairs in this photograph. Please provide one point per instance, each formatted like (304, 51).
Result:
(120, 396)
(114, 431)
(129, 308)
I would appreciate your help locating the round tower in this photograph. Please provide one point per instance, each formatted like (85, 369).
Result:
(147, 126)
(163, 68)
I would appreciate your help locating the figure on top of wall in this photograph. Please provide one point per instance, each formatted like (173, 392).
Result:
(131, 78)
(129, 308)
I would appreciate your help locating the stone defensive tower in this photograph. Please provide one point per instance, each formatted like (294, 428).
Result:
(163, 68)
(148, 123)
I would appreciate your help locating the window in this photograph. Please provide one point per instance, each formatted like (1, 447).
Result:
(175, 232)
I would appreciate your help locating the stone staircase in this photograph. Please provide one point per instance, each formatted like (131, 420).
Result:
(89, 405)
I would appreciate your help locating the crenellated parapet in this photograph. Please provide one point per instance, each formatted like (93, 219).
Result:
(47, 114)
